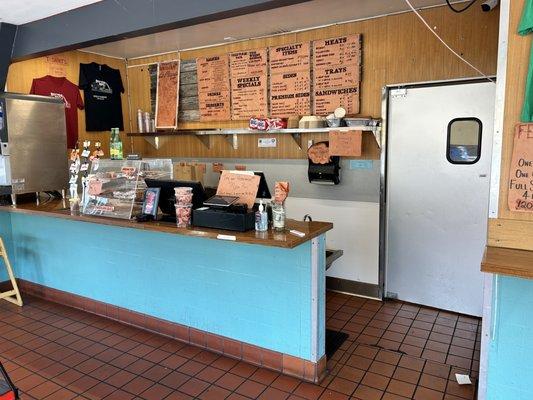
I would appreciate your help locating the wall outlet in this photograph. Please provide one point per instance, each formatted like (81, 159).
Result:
(310, 142)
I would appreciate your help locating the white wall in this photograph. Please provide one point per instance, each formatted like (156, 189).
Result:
(355, 230)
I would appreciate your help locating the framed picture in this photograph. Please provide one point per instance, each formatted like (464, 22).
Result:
(151, 201)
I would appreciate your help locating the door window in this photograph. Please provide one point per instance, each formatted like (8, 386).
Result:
(464, 141)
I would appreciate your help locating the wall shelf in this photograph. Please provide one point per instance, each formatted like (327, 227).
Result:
(156, 139)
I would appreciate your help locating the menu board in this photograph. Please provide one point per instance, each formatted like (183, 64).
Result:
(249, 91)
(521, 173)
(213, 88)
(166, 114)
(336, 74)
(290, 80)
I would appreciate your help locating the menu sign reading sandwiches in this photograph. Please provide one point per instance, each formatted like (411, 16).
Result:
(336, 74)
(249, 91)
(213, 88)
(290, 80)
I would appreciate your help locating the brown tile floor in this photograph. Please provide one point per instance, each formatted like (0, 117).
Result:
(393, 351)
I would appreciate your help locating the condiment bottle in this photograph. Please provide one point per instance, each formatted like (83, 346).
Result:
(261, 218)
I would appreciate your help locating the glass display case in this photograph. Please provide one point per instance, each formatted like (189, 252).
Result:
(115, 188)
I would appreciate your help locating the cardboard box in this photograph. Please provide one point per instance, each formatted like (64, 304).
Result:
(189, 171)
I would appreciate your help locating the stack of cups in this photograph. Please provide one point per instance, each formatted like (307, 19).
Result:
(183, 206)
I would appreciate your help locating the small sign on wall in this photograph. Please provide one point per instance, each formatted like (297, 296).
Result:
(267, 142)
(521, 173)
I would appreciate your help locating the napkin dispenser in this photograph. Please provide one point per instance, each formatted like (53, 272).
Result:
(324, 173)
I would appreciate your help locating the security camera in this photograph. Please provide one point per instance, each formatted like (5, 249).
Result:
(489, 5)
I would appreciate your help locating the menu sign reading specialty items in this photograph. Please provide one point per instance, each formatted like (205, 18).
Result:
(168, 76)
(290, 80)
(213, 88)
(336, 74)
(521, 173)
(249, 92)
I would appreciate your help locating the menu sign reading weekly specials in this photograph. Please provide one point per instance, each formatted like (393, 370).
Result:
(521, 173)
(290, 80)
(213, 88)
(249, 77)
(336, 74)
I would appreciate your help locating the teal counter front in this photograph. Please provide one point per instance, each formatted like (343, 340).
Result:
(261, 303)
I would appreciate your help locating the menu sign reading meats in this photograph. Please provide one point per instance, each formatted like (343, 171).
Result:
(248, 71)
(290, 80)
(336, 74)
(213, 88)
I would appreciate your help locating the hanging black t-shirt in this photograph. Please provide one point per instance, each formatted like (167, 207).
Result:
(102, 86)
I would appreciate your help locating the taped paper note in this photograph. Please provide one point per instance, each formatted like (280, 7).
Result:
(242, 184)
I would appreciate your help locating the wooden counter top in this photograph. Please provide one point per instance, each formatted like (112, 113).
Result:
(56, 209)
(513, 262)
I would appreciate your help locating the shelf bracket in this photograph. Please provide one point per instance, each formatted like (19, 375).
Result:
(156, 141)
(205, 139)
(233, 141)
(297, 137)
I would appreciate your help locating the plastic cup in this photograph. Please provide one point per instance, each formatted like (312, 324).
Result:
(183, 215)
(184, 199)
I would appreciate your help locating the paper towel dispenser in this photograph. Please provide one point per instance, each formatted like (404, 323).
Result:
(323, 169)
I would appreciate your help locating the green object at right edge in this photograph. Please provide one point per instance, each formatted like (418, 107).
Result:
(525, 28)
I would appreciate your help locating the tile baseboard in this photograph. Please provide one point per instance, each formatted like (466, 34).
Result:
(352, 287)
(279, 362)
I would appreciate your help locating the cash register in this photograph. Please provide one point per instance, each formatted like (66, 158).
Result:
(225, 212)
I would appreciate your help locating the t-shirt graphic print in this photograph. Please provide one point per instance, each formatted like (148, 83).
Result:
(102, 86)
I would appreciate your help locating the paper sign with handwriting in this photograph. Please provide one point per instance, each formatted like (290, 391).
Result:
(241, 184)
(345, 143)
(168, 76)
(521, 174)
(319, 153)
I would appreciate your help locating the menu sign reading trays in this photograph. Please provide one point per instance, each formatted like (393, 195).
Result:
(290, 80)
(336, 74)
(249, 91)
(213, 88)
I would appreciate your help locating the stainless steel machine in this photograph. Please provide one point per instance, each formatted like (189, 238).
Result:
(33, 144)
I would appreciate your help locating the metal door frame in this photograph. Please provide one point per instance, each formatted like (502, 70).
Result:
(383, 206)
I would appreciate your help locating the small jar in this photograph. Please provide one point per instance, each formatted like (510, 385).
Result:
(278, 217)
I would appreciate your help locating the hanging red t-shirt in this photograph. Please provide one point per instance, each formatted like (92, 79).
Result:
(70, 94)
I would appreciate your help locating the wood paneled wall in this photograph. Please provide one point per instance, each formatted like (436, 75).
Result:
(21, 75)
(512, 229)
(396, 49)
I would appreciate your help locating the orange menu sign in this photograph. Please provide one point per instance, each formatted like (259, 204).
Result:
(345, 143)
(336, 74)
(213, 88)
(242, 184)
(290, 80)
(319, 153)
(249, 91)
(57, 65)
(168, 76)
(521, 174)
